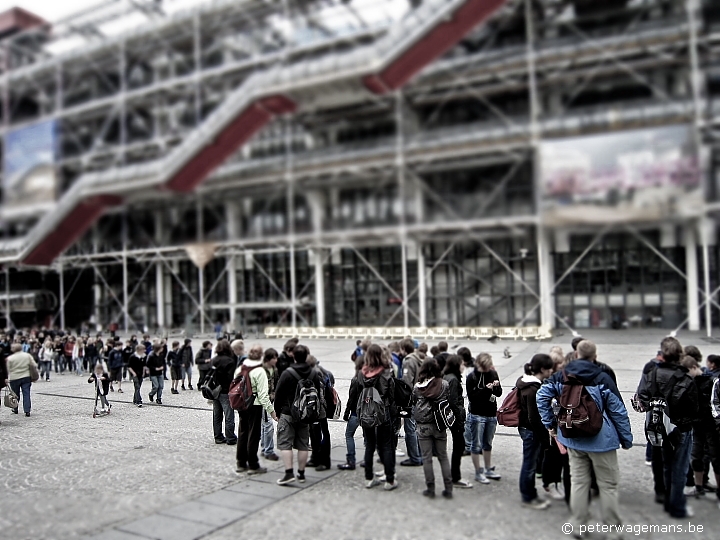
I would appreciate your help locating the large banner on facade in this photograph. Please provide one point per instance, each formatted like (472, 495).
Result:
(632, 176)
(29, 164)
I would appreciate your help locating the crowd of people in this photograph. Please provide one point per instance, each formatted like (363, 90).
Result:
(567, 409)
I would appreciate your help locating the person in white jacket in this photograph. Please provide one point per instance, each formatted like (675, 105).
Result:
(251, 419)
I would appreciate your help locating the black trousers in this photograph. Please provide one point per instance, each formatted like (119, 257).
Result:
(658, 470)
(320, 442)
(458, 438)
(249, 437)
(203, 373)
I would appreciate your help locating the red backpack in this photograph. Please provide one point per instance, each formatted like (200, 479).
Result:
(579, 415)
(509, 414)
(241, 394)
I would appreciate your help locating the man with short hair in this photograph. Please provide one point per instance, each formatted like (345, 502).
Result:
(607, 369)
(156, 366)
(443, 354)
(202, 361)
(291, 434)
(411, 368)
(320, 431)
(285, 359)
(115, 365)
(186, 355)
(670, 381)
(238, 349)
(594, 453)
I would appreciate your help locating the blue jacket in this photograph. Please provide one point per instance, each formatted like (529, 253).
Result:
(615, 431)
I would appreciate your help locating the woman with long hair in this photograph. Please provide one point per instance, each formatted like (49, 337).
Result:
(452, 373)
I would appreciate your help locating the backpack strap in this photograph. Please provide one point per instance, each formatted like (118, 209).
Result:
(294, 373)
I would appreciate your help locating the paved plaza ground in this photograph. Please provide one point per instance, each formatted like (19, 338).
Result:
(156, 473)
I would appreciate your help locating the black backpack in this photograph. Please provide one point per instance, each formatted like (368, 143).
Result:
(403, 397)
(210, 388)
(305, 408)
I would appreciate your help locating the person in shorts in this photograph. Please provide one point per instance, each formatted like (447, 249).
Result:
(293, 434)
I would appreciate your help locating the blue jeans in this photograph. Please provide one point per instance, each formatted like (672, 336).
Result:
(531, 449)
(221, 408)
(411, 441)
(158, 383)
(23, 384)
(352, 426)
(137, 398)
(676, 459)
(482, 432)
(468, 434)
(45, 369)
(267, 433)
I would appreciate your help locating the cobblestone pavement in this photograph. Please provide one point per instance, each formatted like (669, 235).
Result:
(156, 472)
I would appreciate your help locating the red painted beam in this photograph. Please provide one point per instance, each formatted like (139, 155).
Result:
(232, 137)
(436, 43)
(70, 229)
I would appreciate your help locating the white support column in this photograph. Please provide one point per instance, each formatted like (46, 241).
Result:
(422, 287)
(546, 278)
(126, 322)
(318, 256)
(691, 271)
(61, 279)
(232, 219)
(705, 225)
(160, 296)
(8, 324)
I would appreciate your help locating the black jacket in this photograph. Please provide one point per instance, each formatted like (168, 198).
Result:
(187, 355)
(287, 384)
(479, 396)
(425, 396)
(704, 384)
(202, 360)
(680, 393)
(284, 361)
(354, 394)
(174, 359)
(138, 365)
(225, 367)
(156, 364)
(529, 414)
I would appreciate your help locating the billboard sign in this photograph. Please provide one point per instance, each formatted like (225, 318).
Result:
(632, 176)
(29, 155)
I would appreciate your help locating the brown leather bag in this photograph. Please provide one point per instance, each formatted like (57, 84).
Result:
(34, 373)
(579, 415)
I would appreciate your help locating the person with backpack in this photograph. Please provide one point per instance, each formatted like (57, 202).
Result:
(429, 393)
(375, 406)
(222, 368)
(411, 367)
(351, 417)
(530, 426)
(452, 373)
(251, 418)
(297, 405)
(669, 398)
(202, 361)
(592, 430)
(320, 431)
(267, 435)
(483, 388)
(706, 437)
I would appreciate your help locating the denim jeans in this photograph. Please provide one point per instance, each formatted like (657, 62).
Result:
(676, 459)
(411, 441)
(23, 384)
(158, 383)
(45, 369)
(468, 434)
(267, 435)
(482, 432)
(531, 449)
(380, 437)
(350, 429)
(221, 408)
(78, 365)
(137, 398)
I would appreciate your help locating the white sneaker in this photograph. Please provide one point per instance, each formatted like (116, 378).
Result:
(389, 487)
(372, 483)
(480, 477)
(491, 474)
(399, 453)
(689, 512)
(648, 463)
(556, 492)
(537, 504)
(695, 492)
(462, 484)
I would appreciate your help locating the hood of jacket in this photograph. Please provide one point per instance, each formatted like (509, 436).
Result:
(528, 380)
(302, 369)
(431, 389)
(585, 370)
(371, 373)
